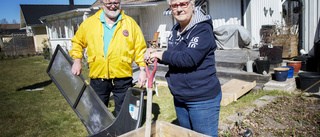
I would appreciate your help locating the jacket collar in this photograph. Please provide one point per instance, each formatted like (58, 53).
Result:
(98, 13)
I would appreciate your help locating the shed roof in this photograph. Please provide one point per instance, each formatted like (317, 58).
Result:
(6, 29)
(30, 14)
(10, 26)
(124, 2)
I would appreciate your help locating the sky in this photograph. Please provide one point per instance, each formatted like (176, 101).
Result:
(10, 9)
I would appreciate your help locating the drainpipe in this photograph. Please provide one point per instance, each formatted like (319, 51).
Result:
(301, 24)
(71, 2)
(242, 13)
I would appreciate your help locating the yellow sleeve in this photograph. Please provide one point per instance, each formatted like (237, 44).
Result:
(140, 47)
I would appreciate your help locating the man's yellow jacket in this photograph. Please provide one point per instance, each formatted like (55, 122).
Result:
(126, 44)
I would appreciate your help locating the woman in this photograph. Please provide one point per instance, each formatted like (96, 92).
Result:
(192, 74)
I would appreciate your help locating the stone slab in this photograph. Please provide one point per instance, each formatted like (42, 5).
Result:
(289, 85)
(263, 100)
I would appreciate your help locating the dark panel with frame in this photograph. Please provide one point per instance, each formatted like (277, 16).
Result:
(92, 112)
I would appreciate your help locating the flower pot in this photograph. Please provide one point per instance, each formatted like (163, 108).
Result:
(262, 65)
(281, 74)
(274, 53)
(295, 64)
(307, 79)
(290, 71)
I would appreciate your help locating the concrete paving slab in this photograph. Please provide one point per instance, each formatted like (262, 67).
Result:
(248, 111)
(263, 100)
(289, 85)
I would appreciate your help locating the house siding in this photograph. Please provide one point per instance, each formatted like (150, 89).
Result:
(40, 33)
(255, 16)
(151, 17)
(310, 21)
(225, 12)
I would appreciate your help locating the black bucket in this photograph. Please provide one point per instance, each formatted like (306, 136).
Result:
(309, 78)
(262, 65)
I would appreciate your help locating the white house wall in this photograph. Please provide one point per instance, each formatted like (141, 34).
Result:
(310, 20)
(255, 16)
(225, 12)
(152, 17)
(64, 43)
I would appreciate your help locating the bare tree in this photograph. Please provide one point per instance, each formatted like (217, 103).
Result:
(14, 21)
(3, 21)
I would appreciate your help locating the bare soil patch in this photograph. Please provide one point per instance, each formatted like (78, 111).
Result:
(284, 116)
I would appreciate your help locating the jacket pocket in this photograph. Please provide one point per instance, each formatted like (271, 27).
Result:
(91, 59)
(126, 59)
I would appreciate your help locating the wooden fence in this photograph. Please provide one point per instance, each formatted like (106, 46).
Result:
(18, 44)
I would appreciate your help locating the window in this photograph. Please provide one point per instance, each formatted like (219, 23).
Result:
(57, 29)
(75, 23)
(62, 30)
(290, 12)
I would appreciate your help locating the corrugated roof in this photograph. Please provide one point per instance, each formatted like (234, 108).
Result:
(32, 13)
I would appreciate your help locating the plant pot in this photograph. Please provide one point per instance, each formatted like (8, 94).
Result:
(274, 53)
(295, 64)
(281, 74)
(290, 71)
(262, 65)
(307, 79)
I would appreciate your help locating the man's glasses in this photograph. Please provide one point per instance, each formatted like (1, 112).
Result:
(110, 4)
(182, 5)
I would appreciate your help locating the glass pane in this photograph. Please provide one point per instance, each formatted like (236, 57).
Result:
(69, 28)
(93, 113)
(74, 24)
(69, 83)
(63, 32)
(80, 20)
(54, 32)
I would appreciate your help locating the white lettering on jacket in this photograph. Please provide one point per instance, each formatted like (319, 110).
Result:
(194, 42)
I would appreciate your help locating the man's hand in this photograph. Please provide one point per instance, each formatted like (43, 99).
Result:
(142, 77)
(76, 67)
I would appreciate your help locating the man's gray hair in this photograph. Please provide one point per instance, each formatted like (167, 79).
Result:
(191, 1)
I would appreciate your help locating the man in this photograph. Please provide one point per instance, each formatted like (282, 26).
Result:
(113, 40)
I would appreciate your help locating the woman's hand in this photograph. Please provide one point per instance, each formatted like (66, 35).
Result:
(156, 55)
(147, 56)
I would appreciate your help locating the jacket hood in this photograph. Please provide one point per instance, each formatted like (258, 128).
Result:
(198, 17)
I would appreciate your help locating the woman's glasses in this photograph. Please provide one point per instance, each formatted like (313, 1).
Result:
(110, 4)
(182, 5)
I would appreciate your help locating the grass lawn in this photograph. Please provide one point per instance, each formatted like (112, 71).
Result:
(46, 112)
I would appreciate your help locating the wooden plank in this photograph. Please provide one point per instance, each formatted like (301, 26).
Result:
(234, 89)
(164, 129)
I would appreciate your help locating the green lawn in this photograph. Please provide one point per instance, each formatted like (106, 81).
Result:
(46, 112)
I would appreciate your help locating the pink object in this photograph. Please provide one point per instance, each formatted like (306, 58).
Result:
(151, 76)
